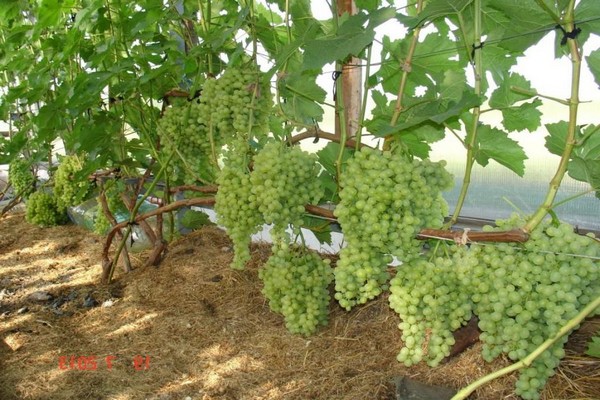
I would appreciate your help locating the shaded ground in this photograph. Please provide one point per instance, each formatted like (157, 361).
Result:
(200, 330)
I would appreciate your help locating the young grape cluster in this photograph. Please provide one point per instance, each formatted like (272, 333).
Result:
(70, 186)
(239, 101)
(196, 131)
(428, 297)
(386, 199)
(183, 136)
(284, 180)
(524, 294)
(41, 209)
(21, 178)
(296, 284)
(236, 206)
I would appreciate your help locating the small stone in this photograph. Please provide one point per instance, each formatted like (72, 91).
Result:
(90, 301)
(226, 249)
(22, 310)
(189, 326)
(108, 303)
(40, 296)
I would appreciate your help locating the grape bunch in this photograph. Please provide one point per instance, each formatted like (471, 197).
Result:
(432, 304)
(524, 294)
(385, 200)
(235, 103)
(284, 180)
(296, 284)
(236, 206)
(182, 135)
(21, 178)
(41, 209)
(71, 186)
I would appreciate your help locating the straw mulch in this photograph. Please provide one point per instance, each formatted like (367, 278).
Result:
(207, 330)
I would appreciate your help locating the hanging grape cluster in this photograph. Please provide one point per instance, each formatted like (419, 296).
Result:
(41, 209)
(236, 206)
(284, 180)
(71, 186)
(428, 297)
(296, 283)
(295, 280)
(21, 178)
(196, 131)
(524, 294)
(386, 199)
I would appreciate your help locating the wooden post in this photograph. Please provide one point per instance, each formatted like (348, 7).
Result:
(351, 83)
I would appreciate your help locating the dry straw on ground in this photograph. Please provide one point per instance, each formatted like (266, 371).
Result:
(207, 330)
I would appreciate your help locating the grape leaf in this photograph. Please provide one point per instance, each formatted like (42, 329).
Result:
(586, 170)
(587, 11)
(495, 144)
(302, 97)
(350, 39)
(504, 96)
(436, 111)
(320, 227)
(585, 162)
(369, 5)
(328, 155)
(555, 141)
(454, 85)
(525, 23)
(593, 61)
(433, 10)
(526, 116)
(192, 219)
(594, 347)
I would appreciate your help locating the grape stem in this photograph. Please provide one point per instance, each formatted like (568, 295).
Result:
(406, 68)
(316, 133)
(106, 211)
(570, 141)
(527, 361)
(471, 139)
(141, 217)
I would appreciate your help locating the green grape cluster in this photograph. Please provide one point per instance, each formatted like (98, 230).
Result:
(236, 206)
(296, 284)
(524, 294)
(237, 102)
(41, 209)
(284, 180)
(112, 193)
(386, 198)
(70, 186)
(429, 299)
(182, 135)
(21, 178)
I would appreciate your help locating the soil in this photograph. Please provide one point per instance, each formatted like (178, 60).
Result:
(195, 329)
